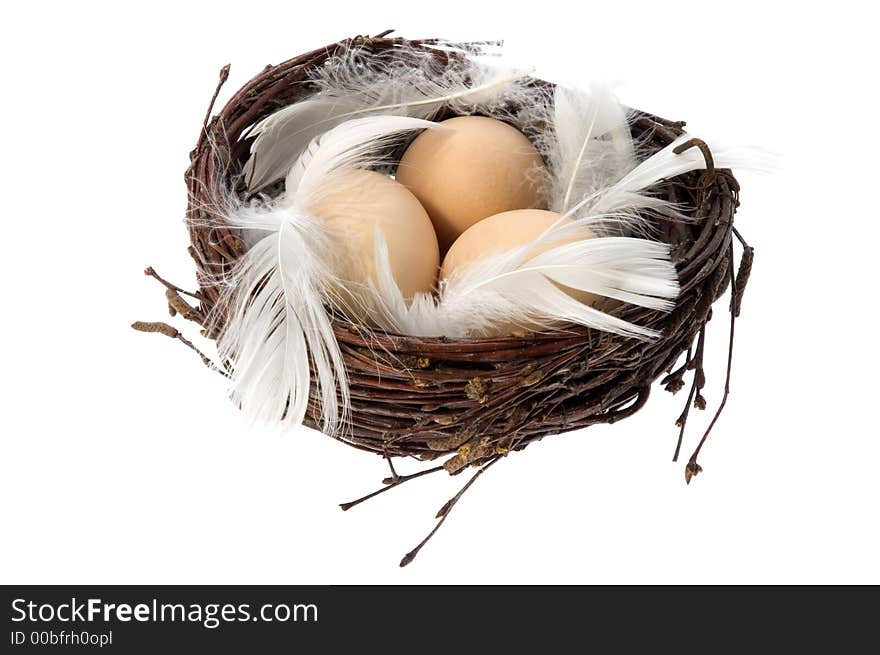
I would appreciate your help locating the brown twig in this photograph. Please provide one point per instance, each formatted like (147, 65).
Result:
(673, 380)
(172, 332)
(177, 305)
(394, 476)
(224, 75)
(707, 155)
(742, 274)
(682, 419)
(390, 483)
(150, 271)
(693, 468)
(444, 511)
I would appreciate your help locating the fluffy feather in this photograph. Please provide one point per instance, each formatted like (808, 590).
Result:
(512, 288)
(282, 136)
(357, 82)
(278, 321)
(356, 143)
(593, 163)
(630, 193)
(278, 291)
(589, 147)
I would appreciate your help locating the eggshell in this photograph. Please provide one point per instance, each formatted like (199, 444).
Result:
(474, 168)
(504, 232)
(359, 203)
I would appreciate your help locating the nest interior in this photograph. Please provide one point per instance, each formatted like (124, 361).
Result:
(476, 400)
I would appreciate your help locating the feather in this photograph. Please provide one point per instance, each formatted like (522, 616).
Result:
(589, 147)
(278, 321)
(278, 290)
(593, 170)
(631, 193)
(356, 143)
(515, 287)
(357, 82)
(282, 136)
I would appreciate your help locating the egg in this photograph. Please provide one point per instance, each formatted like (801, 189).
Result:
(471, 168)
(502, 233)
(358, 203)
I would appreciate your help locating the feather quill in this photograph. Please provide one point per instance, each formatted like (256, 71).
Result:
(278, 291)
(358, 83)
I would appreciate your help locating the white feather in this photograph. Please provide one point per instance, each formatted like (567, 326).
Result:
(630, 193)
(282, 136)
(277, 320)
(515, 288)
(356, 143)
(589, 147)
(357, 83)
(279, 290)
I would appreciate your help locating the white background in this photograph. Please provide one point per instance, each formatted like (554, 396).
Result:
(122, 462)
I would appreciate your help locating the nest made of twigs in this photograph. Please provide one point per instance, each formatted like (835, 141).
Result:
(472, 401)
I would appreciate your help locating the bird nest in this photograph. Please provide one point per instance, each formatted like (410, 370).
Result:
(470, 402)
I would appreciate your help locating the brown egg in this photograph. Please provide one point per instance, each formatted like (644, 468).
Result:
(504, 232)
(474, 168)
(361, 201)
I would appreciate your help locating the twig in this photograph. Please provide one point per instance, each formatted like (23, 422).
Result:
(678, 373)
(174, 333)
(707, 179)
(390, 484)
(444, 512)
(742, 274)
(682, 420)
(394, 476)
(692, 467)
(205, 359)
(177, 305)
(149, 270)
(224, 75)
(739, 237)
